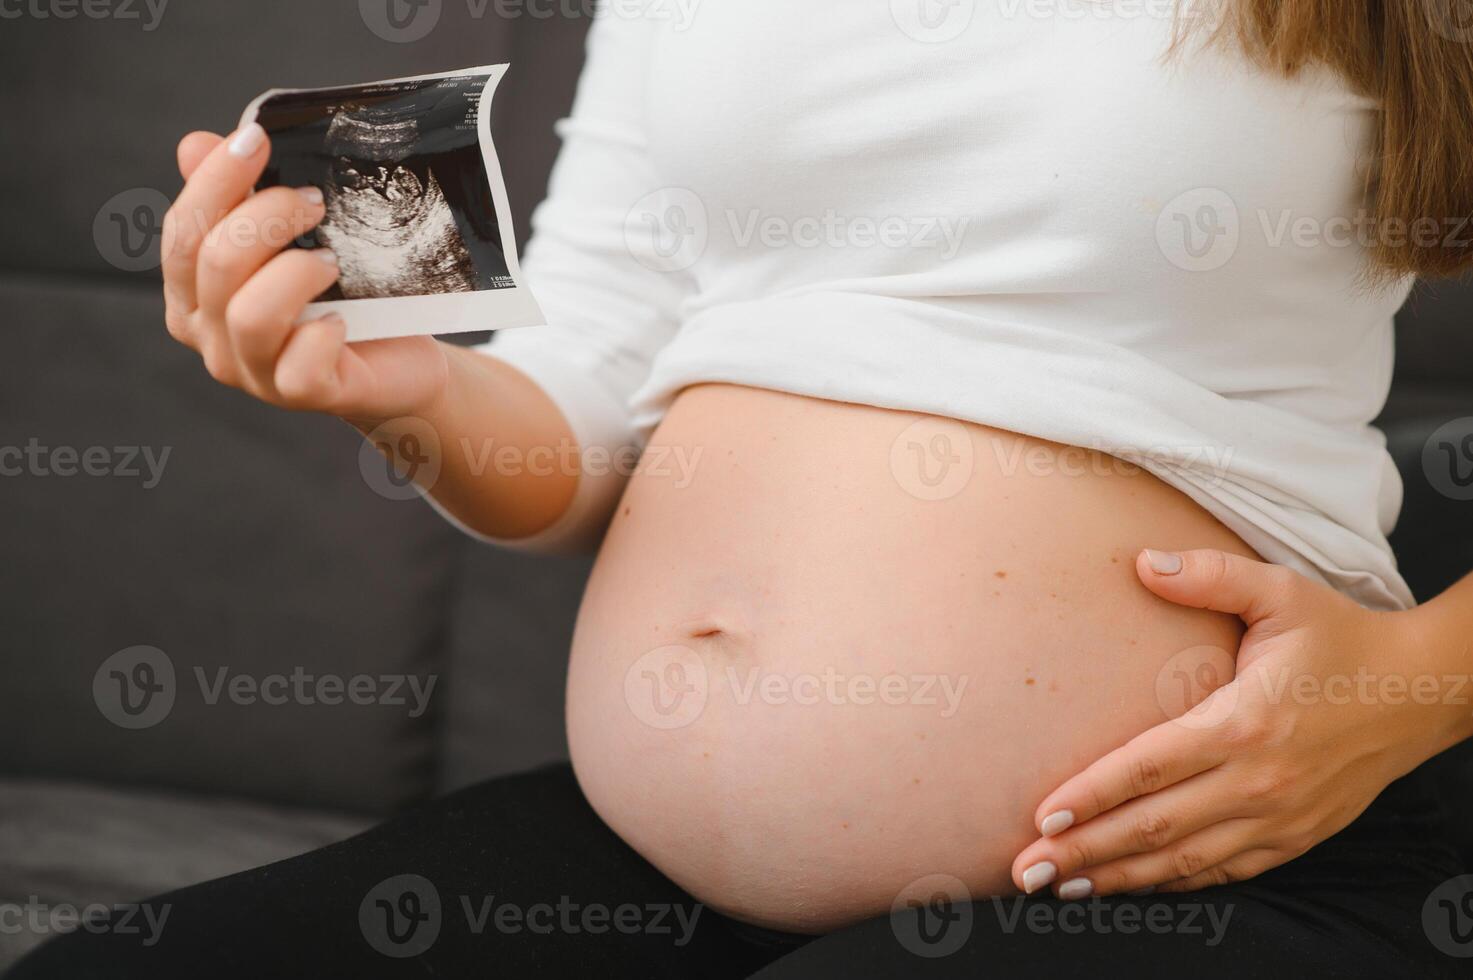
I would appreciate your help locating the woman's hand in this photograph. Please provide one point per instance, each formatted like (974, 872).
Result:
(234, 292)
(1328, 706)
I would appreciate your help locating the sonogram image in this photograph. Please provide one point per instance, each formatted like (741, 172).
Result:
(409, 205)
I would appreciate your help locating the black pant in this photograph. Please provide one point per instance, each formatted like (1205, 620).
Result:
(518, 877)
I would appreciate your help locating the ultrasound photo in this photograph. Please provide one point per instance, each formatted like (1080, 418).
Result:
(416, 209)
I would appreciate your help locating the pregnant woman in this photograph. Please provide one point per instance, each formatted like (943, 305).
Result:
(1003, 377)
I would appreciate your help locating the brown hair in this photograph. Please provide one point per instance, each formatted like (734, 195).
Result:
(1415, 57)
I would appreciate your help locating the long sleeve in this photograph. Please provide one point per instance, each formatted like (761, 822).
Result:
(608, 313)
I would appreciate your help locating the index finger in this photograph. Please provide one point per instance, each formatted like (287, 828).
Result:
(1157, 758)
(222, 180)
(193, 149)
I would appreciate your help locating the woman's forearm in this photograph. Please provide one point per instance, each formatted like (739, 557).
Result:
(1443, 632)
(507, 459)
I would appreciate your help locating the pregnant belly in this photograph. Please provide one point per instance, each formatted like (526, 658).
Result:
(830, 650)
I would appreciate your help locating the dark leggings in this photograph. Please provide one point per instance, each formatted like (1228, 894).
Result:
(518, 877)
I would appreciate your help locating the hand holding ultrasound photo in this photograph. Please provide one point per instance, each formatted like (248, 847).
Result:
(417, 211)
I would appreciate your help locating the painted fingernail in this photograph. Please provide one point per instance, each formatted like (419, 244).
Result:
(1038, 875)
(312, 195)
(1057, 822)
(1163, 562)
(1076, 888)
(326, 255)
(246, 142)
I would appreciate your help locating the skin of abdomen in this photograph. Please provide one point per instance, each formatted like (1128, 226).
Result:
(828, 650)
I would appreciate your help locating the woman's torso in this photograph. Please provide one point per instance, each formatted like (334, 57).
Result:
(1027, 214)
(1048, 164)
(828, 650)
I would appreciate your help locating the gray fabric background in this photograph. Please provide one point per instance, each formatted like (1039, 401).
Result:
(263, 548)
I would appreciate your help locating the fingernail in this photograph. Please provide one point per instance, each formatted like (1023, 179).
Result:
(246, 142)
(1057, 823)
(1076, 888)
(1038, 875)
(327, 255)
(312, 195)
(1163, 562)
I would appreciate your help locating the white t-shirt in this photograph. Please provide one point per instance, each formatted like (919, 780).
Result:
(1014, 212)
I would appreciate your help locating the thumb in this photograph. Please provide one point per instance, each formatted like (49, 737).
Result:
(1209, 579)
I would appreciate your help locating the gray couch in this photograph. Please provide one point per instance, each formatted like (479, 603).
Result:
(257, 547)
(260, 548)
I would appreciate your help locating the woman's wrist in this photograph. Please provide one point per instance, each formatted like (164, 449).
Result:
(1436, 640)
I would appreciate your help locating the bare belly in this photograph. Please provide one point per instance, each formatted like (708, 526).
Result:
(828, 650)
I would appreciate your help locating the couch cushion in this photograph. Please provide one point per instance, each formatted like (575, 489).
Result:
(73, 845)
(511, 626)
(1434, 342)
(1433, 539)
(1434, 544)
(257, 549)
